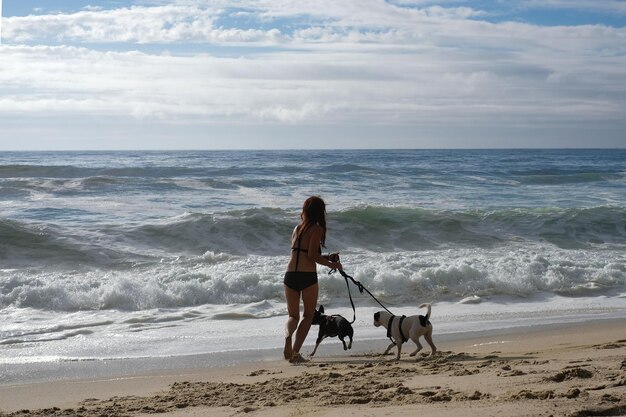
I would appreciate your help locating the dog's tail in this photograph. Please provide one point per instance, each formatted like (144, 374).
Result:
(428, 312)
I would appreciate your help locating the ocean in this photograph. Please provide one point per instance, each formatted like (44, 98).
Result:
(158, 256)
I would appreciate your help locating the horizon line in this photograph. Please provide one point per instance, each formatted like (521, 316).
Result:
(309, 149)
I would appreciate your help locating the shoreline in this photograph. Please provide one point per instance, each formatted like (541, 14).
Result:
(114, 368)
(557, 344)
(213, 344)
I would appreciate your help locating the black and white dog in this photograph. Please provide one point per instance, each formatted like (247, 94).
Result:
(400, 329)
(331, 326)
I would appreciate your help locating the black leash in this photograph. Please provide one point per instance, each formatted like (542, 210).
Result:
(361, 289)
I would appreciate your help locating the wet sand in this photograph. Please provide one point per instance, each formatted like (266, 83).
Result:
(568, 370)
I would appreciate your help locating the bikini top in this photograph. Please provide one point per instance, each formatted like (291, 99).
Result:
(298, 249)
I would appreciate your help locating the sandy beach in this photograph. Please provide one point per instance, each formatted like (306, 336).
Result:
(567, 370)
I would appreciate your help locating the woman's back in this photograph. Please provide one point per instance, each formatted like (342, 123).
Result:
(301, 244)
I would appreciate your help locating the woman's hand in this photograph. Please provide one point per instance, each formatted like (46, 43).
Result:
(333, 259)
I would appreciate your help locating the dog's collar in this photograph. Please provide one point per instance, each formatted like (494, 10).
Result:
(402, 337)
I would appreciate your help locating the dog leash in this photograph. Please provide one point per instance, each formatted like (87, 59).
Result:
(361, 289)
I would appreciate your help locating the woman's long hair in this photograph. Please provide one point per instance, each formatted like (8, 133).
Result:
(314, 212)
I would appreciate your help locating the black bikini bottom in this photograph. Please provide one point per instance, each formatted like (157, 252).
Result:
(298, 280)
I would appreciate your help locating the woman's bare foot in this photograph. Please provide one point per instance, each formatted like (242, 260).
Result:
(288, 351)
(297, 358)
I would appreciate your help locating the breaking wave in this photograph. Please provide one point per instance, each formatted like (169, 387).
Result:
(266, 232)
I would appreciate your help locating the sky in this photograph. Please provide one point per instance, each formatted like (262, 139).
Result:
(330, 74)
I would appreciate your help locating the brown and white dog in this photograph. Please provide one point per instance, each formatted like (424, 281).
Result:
(400, 329)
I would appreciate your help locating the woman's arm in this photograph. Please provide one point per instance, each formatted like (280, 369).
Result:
(314, 250)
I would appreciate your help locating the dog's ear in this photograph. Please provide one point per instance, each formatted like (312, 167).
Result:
(321, 310)
(377, 316)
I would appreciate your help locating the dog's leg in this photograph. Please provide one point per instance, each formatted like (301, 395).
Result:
(414, 335)
(388, 349)
(344, 344)
(350, 335)
(399, 351)
(317, 343)
(429, 338)
(419, 346)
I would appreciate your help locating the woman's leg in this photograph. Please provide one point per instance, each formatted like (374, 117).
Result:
(309, 299)
(293, 309)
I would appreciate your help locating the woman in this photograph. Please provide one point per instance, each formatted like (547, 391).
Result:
(300, 280)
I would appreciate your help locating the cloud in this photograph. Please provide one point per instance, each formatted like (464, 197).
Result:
(213, 23)
(604, 6)
(314, 62)
(136, 24)
(429, 86)
(364, 24)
